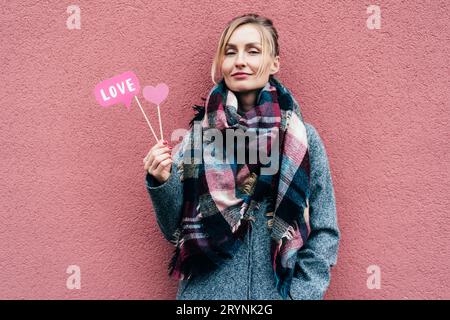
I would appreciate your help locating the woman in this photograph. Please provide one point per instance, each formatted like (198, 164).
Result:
(243, 231)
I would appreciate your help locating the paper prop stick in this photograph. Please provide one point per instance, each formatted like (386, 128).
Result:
(151, 128)
(157, 95)
(120, 89)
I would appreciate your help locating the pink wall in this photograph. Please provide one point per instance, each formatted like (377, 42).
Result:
(72, 188)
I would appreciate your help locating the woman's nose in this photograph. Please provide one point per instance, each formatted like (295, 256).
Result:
(240, 60)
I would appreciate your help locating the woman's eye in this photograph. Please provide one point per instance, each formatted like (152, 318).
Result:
(229, 53)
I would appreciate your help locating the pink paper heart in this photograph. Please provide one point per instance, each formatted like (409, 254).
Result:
(156, 94)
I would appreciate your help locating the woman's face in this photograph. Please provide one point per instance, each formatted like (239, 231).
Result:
(243, 54)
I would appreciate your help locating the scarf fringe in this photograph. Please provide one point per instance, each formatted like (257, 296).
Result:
(194, 265)
(282, 276)
(206, 262)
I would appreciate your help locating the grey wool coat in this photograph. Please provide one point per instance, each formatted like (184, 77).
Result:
(249, 275)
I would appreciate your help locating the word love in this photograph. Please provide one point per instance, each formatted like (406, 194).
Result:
(118, 89)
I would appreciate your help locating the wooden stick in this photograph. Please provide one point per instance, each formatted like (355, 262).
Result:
(160, 123)
(151, 128)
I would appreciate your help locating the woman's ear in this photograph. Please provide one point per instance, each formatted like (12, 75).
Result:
(275, 67)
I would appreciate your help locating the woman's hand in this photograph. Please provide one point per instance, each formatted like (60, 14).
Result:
(158, 161)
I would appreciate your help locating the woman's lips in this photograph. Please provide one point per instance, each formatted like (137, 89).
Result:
(240, 76)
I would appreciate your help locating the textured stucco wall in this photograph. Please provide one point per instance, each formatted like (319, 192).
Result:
(72, 189)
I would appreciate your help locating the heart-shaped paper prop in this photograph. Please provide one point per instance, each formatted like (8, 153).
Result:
(156, 94)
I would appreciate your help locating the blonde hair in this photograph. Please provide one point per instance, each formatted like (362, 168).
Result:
(269, 37)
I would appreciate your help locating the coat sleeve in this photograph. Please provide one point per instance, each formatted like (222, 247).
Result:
(167, 198)
(319, 254)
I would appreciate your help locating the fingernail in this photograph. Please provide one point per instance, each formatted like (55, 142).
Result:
(165, 142)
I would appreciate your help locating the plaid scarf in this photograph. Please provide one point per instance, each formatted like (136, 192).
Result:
(220, 196)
